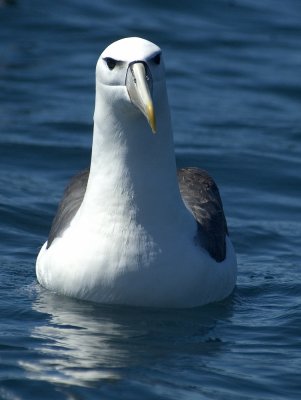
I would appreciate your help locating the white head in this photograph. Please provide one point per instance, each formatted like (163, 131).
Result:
(134, 65)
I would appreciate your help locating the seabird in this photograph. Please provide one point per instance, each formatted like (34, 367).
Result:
(132, 229)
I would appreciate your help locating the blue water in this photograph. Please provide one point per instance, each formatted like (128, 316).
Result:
(234, 81)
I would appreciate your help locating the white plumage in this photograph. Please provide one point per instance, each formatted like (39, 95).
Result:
(132, 240)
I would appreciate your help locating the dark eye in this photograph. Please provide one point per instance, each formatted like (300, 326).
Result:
(111, 63)
(157, 59)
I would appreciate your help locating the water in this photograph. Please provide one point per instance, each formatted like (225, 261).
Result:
(233, 71)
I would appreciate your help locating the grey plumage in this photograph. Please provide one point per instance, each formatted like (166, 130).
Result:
(201, 196)
(70, 203)
(199, 193)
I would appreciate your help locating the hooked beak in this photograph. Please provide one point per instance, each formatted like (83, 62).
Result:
(139, 86)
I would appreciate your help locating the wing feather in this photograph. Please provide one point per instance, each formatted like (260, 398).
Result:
(69, 205)
(201, 196)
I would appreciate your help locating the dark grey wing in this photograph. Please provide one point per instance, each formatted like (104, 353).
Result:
(70, 203)
(201, 196)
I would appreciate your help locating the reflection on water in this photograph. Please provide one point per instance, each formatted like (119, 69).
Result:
(80, 342)
(75, 342)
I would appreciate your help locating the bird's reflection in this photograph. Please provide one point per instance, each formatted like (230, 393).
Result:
(78, 342)
(81, 343)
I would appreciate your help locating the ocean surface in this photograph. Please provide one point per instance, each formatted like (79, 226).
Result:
(234, 82)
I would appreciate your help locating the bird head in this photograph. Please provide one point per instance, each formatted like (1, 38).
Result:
(136, 65)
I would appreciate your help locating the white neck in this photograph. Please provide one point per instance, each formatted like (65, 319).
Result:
(133, 171)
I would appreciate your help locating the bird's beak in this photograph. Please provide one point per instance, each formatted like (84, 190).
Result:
(139, 87)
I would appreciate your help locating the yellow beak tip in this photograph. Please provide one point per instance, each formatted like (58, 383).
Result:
(153, 127)
(151, 117)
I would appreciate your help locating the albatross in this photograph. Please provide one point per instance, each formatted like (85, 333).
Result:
(132, 229)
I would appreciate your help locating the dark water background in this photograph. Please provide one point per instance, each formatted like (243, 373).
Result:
(234, 80)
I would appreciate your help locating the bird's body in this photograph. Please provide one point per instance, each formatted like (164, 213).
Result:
(122, 233)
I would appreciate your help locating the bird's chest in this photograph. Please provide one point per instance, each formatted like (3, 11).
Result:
(110, 248)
